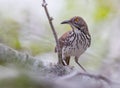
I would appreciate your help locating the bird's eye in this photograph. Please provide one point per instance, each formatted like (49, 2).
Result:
(76, 20)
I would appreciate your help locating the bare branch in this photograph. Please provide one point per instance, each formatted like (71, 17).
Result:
(54, 32)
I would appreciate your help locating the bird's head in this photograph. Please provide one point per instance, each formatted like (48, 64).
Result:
(76, 23)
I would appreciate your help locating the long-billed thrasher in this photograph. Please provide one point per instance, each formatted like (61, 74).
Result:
(74, 42)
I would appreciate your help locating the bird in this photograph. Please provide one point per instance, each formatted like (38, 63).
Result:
(74, 42)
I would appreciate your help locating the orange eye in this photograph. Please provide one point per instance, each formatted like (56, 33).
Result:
(76, 19)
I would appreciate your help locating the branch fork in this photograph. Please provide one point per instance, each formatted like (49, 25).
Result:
(44, 4)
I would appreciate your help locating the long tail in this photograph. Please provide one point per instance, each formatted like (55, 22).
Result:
(67, 60)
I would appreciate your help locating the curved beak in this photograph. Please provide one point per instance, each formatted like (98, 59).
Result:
(65, 22)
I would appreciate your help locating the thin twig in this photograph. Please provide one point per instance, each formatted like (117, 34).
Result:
(97, 77)
(54, 32)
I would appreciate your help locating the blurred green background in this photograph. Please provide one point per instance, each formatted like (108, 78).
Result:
(24, 27)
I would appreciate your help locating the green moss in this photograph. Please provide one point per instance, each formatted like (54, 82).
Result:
(102, 11)
(40, 47)
(9, 32)
(21, 81)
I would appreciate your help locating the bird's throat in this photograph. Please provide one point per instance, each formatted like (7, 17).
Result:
(75, 30)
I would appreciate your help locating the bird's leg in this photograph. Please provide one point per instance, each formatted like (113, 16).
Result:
(64, 58)
(64, 62)
(76, 60)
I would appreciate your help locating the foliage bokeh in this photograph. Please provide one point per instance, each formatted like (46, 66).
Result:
(24, 27)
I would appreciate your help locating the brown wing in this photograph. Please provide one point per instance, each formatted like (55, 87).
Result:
(62, 40)
(62, 43)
